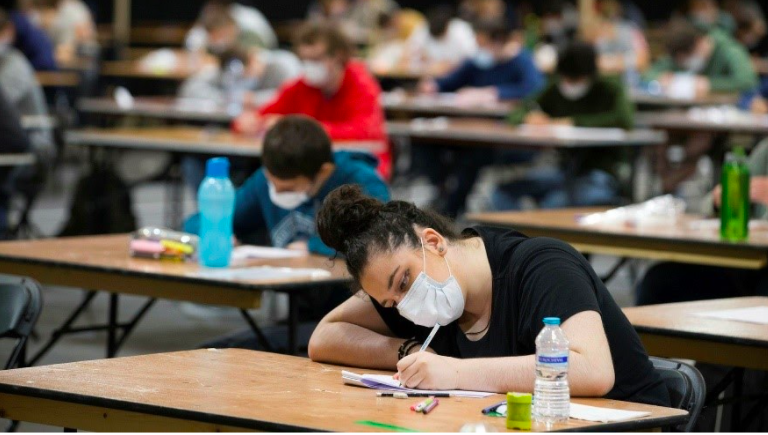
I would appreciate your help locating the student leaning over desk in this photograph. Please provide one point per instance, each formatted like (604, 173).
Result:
(490, 289)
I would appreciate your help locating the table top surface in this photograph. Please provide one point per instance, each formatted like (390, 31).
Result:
(682, 320)
(476, 131)
(715, 119)
(59, 79)
(110, 254)
(688, 229)
(443, 104)
(188, 139)
(663, 101)
(135, 69)
(186, 109)
(265, 391)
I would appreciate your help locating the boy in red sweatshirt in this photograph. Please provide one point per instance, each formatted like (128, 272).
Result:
(336, 91)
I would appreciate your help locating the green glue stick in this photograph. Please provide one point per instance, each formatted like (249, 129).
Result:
(519, 411)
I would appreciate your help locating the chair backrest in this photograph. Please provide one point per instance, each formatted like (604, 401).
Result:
(20, 306)
(686, 386)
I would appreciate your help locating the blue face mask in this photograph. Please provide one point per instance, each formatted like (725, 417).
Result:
(484, 59)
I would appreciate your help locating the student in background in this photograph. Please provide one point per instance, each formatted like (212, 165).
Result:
(489, 288)
(577, 96)
(300, 170)
(23, 92)
(751, 27)
(499, 69)
(19, 32)
(254, 28)
(14, 140)
(70, 26)
(620, 44)
(335, 90)
(443, 44)
(359, 19)
(719, 63)
(473, 11)
(707, 15)
(396, 28)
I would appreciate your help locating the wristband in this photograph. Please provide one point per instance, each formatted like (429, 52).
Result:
(405, 348)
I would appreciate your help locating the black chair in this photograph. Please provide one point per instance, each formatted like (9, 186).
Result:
(686, 387)
(20, 306)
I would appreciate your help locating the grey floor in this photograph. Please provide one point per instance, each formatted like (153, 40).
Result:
(169, 326)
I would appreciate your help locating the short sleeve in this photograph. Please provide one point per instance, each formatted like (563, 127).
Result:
(556, 281)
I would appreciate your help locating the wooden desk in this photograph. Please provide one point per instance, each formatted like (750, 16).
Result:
(233, 389)
(23, 159)
(39, 122)
(663, 102)
(675, 331)
(409, 105)
(102, 263)
(709, 120)
(169, 108)
(134, 69)
(58, 79)
(484, 132)
(676, 243)
(188, 140)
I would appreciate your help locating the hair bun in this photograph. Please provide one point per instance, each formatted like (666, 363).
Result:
(346, 213)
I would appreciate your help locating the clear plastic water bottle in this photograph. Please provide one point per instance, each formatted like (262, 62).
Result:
(551, 394)
(216, 200)
(232, 80)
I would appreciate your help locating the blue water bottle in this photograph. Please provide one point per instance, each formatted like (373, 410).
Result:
(216, 200)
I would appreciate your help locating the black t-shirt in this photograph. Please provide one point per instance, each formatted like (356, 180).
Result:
(535, 278)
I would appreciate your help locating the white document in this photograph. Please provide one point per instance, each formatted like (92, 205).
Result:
(567, 132)
(682, 87)
(388, 383)
(245, 252)
(757, 315)
(603, 415)
(261, 273)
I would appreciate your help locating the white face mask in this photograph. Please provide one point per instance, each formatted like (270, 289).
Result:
(574, 91)
(429, 302)
(695, 64)
(286, 200)
(315, 73)
(484, 59)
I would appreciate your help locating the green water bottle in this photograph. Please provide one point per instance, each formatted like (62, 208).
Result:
(734, 207)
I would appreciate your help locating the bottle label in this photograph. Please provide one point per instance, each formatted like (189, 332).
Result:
(561, 359)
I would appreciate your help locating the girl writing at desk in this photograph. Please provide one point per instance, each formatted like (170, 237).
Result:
(489, 289)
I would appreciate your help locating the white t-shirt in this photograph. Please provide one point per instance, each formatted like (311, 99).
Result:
(457, 44)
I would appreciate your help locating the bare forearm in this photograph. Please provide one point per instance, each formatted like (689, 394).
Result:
(347, 344)
(518, 374)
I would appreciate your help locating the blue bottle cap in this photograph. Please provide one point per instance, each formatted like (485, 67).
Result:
(217, 167)
(551, 320)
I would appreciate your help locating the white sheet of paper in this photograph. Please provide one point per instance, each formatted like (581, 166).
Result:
(264, 252)
(567, 132)
(757, 315)
(682, 87)
(387, 383)
(603, 415)
(259, 273)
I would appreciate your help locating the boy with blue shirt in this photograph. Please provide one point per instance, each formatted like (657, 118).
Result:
(299, 170)
(499, 70)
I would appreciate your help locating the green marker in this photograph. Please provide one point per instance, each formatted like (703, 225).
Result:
(379, 425)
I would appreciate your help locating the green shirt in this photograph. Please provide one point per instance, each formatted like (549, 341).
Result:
(606, 105)
(729, 68)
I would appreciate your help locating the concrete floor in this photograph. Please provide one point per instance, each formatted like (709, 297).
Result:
(169, 326)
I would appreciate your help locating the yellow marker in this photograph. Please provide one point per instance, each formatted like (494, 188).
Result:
(176, 246)
(519, 411)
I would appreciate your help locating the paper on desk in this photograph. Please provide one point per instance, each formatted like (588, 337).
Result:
(603, 415)
(385, 382)
(260, 273)
(567, 132)
(757, 315)
(264, 252)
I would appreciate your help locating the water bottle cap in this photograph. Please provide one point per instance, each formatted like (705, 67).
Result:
(551, 320)
(217, 167)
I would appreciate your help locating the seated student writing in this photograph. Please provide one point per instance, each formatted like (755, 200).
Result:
(299, 171)
(490, 290)
(335, 90)
(577, 96)
(718, 62)
(499, 70)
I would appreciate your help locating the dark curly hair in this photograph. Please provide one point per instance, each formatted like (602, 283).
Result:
(357, 225)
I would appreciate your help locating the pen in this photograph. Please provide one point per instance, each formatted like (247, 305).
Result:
(399, 395)
(429, 339)
(492, 408)
(430, 407)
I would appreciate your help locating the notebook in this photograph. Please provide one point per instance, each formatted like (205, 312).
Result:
(593, 413)
(388, 383)
(757, 315)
